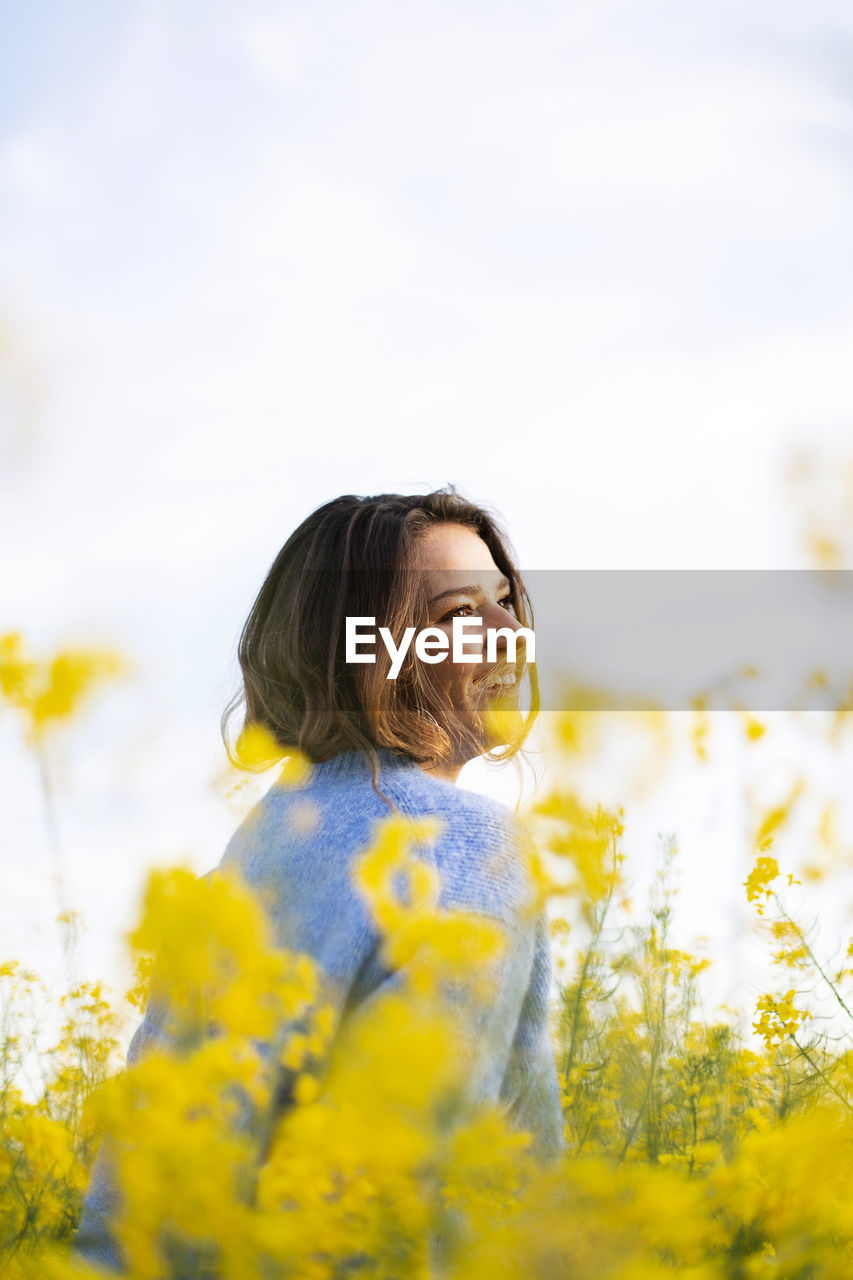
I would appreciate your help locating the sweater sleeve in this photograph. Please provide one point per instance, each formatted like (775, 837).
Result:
(479, 1027)
(531, 1089)
(499, 881)
(499, 1041)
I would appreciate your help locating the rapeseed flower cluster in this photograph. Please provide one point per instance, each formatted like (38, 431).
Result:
(688, 1149)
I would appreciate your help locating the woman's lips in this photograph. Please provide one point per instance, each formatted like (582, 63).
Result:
(497, 691)
(503, 675)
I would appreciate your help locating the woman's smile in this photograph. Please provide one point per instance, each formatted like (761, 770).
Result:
(477, 700)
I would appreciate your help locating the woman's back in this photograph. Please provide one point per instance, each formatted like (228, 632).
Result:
(296, 850)
(299, 845)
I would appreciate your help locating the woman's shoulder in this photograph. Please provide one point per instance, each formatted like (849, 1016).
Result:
(483, 851)
(341, 787)
(478, 815)
(313, 832)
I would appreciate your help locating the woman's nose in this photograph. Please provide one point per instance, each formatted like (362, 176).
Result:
(499, 618)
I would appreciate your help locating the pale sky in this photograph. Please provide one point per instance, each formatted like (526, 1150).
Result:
(588, 262)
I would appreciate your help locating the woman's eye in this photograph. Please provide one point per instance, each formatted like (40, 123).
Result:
(453, 612)
(506, 603)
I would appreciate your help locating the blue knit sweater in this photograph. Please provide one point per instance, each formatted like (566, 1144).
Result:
(301, 870)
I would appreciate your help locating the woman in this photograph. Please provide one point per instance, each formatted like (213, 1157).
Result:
(402, 564)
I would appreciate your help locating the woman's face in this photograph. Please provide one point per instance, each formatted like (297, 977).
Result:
(462, 580)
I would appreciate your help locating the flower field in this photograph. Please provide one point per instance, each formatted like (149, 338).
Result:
(692, 1148)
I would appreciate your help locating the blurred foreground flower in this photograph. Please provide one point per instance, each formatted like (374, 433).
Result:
(46, 693)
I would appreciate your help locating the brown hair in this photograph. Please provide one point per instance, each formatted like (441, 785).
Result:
(357, 556)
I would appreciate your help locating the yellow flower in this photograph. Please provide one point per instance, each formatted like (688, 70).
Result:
(49, 692)
(765, 871)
